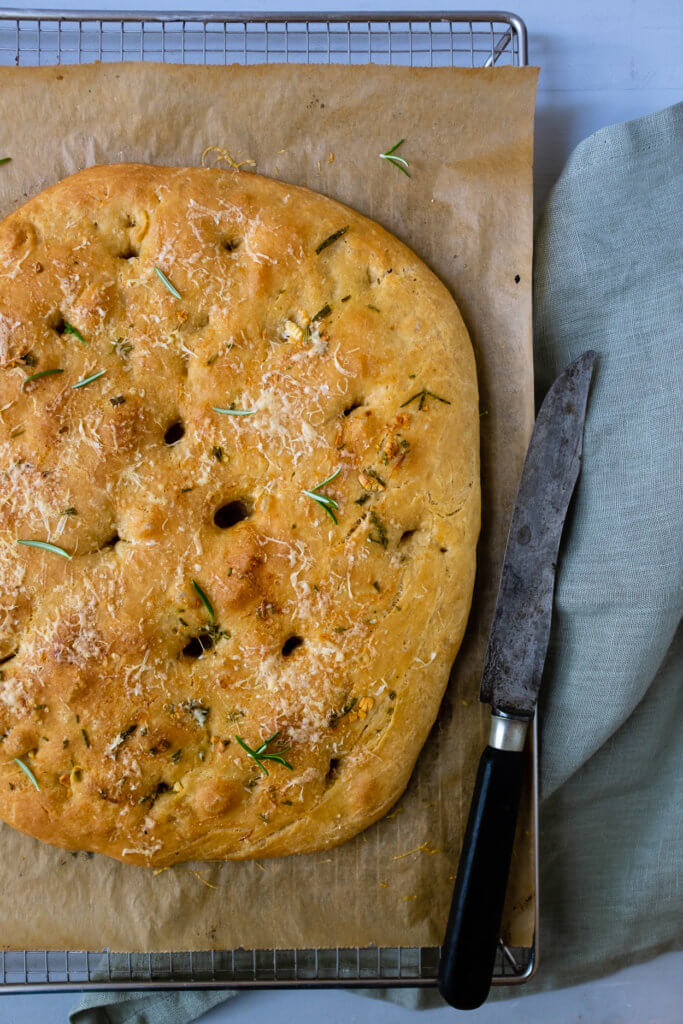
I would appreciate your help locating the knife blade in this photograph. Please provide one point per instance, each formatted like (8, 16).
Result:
(518, 640)
(513, 667)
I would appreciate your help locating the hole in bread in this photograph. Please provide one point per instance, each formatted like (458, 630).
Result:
(199, 322)
(232, 513)
(57, 323)
(333, 771)
(130, 252)
(406, 536)
(159, 790)
(175, 432)
(356, 404)
(443, 550)
(230, 244)
(128, 220)
(291, 644)
(198, 645)
(111, 541)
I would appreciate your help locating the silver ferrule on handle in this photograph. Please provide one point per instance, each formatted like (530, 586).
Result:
(507, 733)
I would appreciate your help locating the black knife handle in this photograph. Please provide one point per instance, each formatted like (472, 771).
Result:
(469, 947)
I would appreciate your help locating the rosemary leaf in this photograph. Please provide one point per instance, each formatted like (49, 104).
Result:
(88, 380)
(328, 480)
(85, 738)
(5, 159)
(204, 599)
(36, 376)
(381, 534)
(70, 329)
(167, 284)
(46, 547)
(331, 239)
(234, 412)
(27, 771)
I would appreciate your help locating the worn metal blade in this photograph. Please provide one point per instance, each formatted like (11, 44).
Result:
(518, 640)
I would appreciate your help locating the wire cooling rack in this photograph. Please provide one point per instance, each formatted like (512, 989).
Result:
(464, 39)
(435, 39)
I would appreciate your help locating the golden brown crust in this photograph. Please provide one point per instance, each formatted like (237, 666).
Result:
(131, 736)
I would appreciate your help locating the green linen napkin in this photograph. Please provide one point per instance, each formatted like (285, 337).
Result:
(145, 1007)
(608, 277)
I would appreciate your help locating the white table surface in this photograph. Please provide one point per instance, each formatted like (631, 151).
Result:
(602, 61)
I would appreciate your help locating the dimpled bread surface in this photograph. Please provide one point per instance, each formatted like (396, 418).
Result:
(205, 595)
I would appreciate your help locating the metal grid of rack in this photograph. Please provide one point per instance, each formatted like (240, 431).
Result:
(467, 39)
(434, 39)
(239, 968)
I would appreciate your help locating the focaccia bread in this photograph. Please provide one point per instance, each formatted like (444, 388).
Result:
(245, 420)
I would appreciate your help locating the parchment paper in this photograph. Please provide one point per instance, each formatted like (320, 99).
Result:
(467, 211)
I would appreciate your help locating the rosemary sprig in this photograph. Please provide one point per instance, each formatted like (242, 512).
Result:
(331, 239)
(204, 599)
(70, 329)
(397, 161)
(27, 771)
(35, 376)
(326, 503)
(167, 284)
(5, 159)
(422, 395)
(234, 412)
(259, 755)
(46, 547)
(88, 380)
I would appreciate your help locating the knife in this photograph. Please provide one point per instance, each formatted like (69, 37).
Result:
(515, 655)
